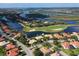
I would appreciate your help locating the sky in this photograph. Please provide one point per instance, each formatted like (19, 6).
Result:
(37, 5)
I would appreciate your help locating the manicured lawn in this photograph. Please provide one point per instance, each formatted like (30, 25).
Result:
(47, 28)
(71, 51)
(50, 28)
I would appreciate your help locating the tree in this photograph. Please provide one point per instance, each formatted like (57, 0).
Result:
(57, 43)
(14, 42)
(45, 38)
(48, 45)
(37, 52)
(74, 37)
(22, 39)
(2, 51)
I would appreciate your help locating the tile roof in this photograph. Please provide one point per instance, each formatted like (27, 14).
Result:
(12, 52)
(58, 36)
(10, 46)
(66, 45)
(67, 35)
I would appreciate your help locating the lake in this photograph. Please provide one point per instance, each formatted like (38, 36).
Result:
(72, 29)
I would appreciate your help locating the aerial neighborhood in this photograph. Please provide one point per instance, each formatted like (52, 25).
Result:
(39, 32)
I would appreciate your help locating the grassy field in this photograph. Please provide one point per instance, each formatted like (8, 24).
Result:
(66, 17)
(52, 28)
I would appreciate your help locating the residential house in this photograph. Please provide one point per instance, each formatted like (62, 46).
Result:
(12, 52)
(65, 45)
(10, 46)
(45, 50)
(67, 35)
(48, 35)
(58, 36)
(75, 44)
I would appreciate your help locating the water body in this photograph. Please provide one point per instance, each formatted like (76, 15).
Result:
(15, 26)
(45, 18)
(72, 29)
(70, 21)
(35, 33)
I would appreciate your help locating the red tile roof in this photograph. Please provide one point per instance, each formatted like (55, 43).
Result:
(10, 46)
(12, 52)
(66, 45)
(67, 35)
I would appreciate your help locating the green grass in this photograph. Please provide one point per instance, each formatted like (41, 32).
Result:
(71, 51)
(48, 45)
(76, 51)
(2, 51)
(47, 28)
(66, 17)
(26, 28)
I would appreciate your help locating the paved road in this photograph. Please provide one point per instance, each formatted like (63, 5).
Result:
(26, 49)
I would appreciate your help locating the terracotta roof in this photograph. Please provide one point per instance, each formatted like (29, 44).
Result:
(58, 36)
(66, 45)
(67, 35)
(12, 52)
(10, 46)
